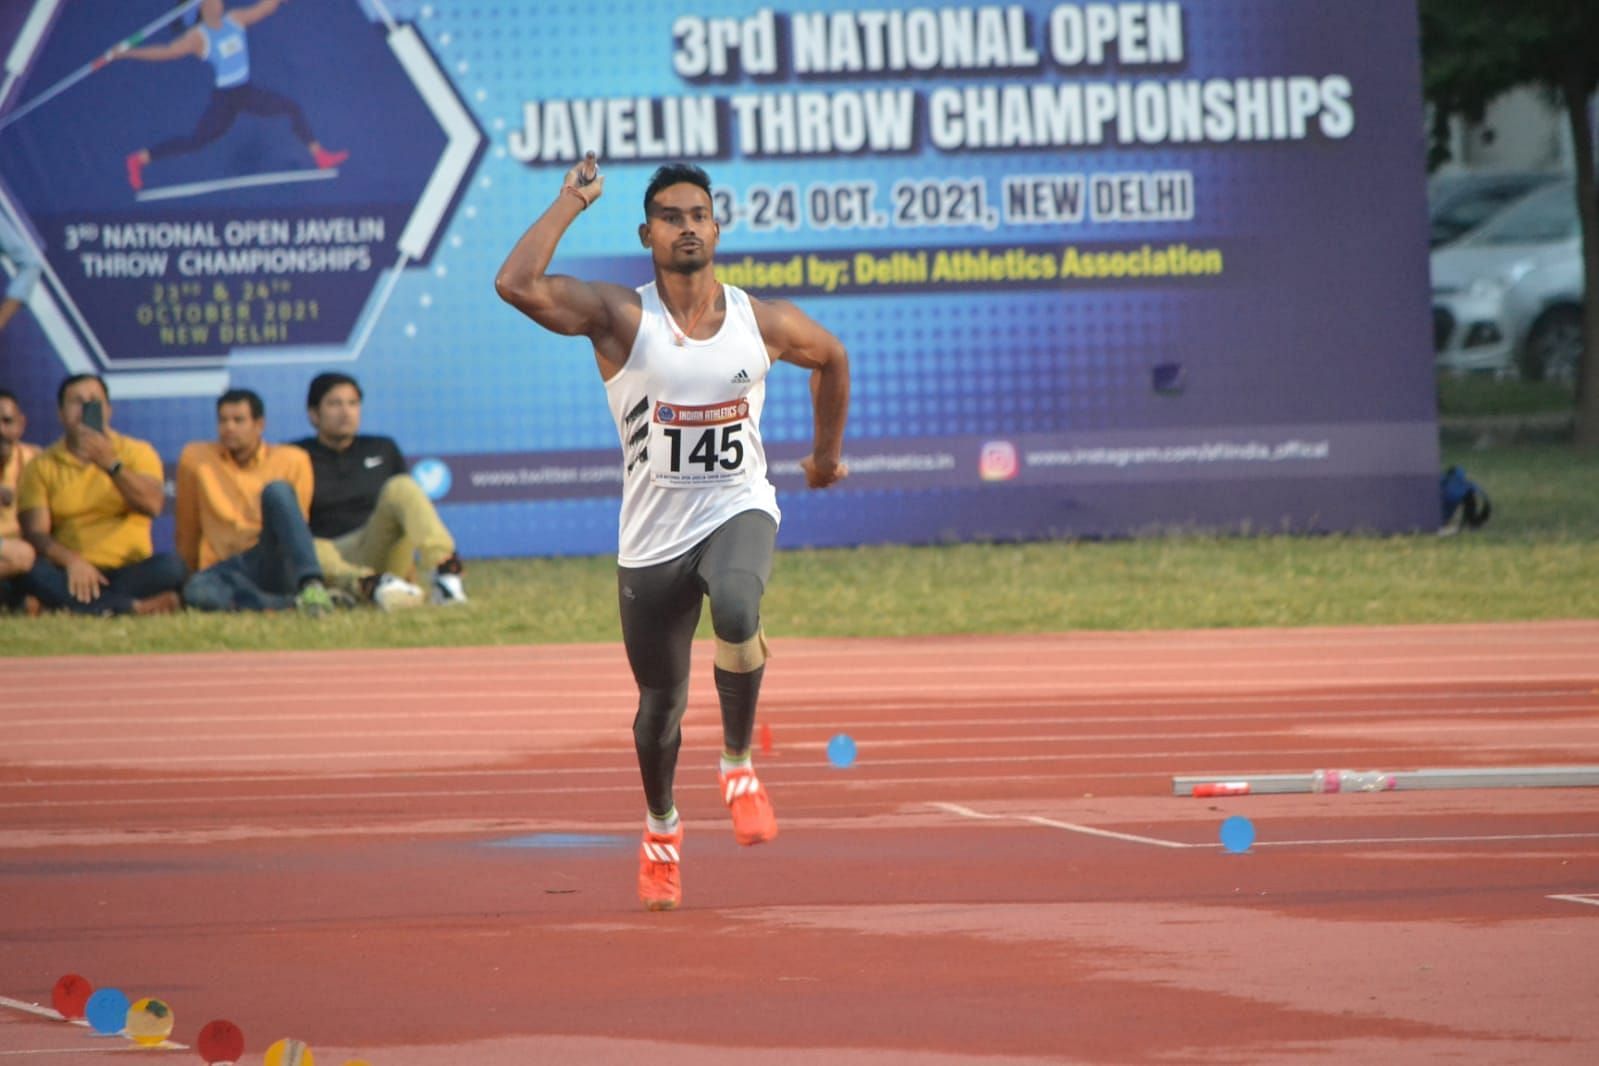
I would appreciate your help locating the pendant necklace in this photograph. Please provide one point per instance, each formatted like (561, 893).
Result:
(682, 335)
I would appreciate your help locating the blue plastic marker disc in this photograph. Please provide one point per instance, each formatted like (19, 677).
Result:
(1237, 834)
(107, 1011)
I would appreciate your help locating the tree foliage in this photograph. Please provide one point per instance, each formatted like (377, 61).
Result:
(1473, 50)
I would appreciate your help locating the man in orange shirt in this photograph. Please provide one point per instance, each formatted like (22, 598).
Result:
(86, 503)
(242, 505)
(16, 554)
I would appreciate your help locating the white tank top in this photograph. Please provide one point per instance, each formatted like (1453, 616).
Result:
(688, 413)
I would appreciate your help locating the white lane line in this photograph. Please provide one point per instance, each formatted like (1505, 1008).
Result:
(1312, 672)
(629, 787)
(781, 699)
(1590, 899)
(1181, 762)
(967, 812)
(1449, 639)
(1466, 839)
(115, 1049)
(18, 749)
(1180, 759)
(126, 742)
(1071, 827)
(1526, 734)
(424, 773)
(552, 692)
(779, 705)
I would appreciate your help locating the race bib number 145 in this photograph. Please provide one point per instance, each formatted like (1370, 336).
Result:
(699, 445)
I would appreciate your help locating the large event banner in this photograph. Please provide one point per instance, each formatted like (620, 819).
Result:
(1102, 268)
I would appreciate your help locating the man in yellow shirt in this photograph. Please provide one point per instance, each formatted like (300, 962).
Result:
(16, 555)
(241, 520)
(86, 504)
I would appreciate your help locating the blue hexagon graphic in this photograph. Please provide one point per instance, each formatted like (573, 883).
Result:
(235, 243)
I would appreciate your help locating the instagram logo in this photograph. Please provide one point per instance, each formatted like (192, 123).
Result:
(997, 461)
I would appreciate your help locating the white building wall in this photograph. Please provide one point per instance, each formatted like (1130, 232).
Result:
(1522, 130)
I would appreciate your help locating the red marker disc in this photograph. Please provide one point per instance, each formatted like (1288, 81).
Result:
(1223, 788)
(220, 1041)
(70, 996)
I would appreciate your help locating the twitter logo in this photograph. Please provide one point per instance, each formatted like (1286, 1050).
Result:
(433, 476)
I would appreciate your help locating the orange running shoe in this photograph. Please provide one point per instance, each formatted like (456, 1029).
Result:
(746, 799)
(660, 886)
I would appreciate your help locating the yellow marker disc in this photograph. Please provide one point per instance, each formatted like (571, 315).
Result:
(149, 1022)
(358, 1062)
(289, 1052)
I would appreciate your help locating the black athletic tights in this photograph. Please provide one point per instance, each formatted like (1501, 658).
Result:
(224, 107)
(660, 608)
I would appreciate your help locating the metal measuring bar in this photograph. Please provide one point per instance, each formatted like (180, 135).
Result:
(1214, 785)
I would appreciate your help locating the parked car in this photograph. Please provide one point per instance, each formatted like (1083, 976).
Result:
(1545, 315)
(1507, 297)
(1459, 203)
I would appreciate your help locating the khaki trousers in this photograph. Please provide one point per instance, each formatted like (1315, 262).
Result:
(403, 536)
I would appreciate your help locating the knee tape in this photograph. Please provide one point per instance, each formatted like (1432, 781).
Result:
(744, 658)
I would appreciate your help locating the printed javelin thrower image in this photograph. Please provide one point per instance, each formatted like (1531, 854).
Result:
(217, 36)
(220, 39)
(291, 162)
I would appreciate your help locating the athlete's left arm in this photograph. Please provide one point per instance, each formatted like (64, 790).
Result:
(249, 16)
(794, 337)
(192, 43)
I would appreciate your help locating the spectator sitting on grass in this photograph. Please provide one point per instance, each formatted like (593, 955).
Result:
(365, 501)
(16, 554)
(86, 504)
(241, 518)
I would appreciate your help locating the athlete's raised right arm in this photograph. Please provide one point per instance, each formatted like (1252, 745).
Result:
(559, 303)
(249, 16)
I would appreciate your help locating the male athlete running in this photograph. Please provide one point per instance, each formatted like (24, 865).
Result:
(684, 360)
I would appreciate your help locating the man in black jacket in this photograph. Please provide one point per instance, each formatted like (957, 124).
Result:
(365, 506)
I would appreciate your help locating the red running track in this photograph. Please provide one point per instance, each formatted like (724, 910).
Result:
(428, 856)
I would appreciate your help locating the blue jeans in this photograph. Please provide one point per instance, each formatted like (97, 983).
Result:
(267, 576)
(159, 573)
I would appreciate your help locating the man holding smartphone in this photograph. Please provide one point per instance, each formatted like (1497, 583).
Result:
(86, 504)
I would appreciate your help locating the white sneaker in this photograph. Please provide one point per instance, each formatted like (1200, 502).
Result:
(448, 591)
(393, 593)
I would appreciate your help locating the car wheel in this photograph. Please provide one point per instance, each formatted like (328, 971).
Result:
(1554, 347)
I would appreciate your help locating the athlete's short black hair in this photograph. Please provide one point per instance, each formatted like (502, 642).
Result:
(325, 383)
(7, 394)
(675, 174)
(249, 396)
(72, 379)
